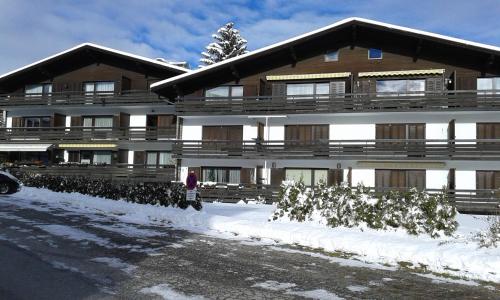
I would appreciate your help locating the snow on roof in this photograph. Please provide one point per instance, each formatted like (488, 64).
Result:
(123, 53)
(320, 30)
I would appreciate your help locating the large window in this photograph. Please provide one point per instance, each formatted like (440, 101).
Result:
(308, 176)
(99, 88)
(36, 122)
(105, 122)
(95, 157)
(401, 87)
(235, 92)
(488, 85)
(306, 89)
(159, 159)
(42, 89)
(221, 175)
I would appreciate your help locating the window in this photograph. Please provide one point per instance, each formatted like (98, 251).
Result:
(36, 122)
(374, 53)
(159, 159)
(106, 122)
(306, 89)
(332, 55)
(43, 89)
(488, 85)
(235, 92)
(221, 175)
(102, 157)
(99, 88)
(401, 87)
(308, 176)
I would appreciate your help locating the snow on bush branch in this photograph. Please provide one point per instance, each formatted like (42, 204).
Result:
(164, 194)
(228, 43)
(415, 211)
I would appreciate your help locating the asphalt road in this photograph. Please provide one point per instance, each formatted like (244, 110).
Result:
(57, 254)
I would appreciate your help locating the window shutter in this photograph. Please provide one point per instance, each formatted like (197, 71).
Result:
(434, 84)
(337, 87)
(277, 176)
(279, 90)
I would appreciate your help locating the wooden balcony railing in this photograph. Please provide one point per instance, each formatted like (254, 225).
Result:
(85, 134)
(466, 201)
(341, 103)
(82, 98)
(119, 172)
(394, 149)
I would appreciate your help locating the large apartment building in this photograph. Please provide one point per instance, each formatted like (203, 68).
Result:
(358, 101)
(89, 111)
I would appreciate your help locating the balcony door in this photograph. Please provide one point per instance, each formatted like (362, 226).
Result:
(401, 132)
(225, 138)
(399, 179)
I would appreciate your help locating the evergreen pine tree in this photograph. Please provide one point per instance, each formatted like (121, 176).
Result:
(228, 43)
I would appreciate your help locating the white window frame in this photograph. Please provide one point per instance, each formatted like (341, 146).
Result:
(375, 58)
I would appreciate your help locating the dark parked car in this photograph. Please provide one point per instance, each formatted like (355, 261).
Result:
(9, 184)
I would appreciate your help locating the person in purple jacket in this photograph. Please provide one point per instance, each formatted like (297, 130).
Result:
(191, 181)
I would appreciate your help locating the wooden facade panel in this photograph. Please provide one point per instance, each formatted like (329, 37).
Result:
(488, 180)
(277, 176)
(225, 133)
(246, 175)
(306, 133)
(400, 179)
(488, 130)
(139, 157)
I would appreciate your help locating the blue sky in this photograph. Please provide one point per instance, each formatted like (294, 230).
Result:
(180, 29)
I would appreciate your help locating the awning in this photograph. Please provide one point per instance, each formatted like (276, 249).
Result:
(401, 164)
(87, 146)
(402, 73)
(308, 76)
(24, 147)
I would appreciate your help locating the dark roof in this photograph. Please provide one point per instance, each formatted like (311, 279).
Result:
(85, 54)
(215, 73)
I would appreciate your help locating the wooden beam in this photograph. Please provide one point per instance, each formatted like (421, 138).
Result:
(45, 73)
(488, 64)
(293, 56)
(178, 90)
(418, 50)
(235, 73)
(354, 36)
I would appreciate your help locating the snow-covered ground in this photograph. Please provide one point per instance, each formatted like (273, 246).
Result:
(458, 255)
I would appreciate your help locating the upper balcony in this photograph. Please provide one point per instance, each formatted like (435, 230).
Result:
(470, 100)
(380, 149)
(65, 99)
(86, 134)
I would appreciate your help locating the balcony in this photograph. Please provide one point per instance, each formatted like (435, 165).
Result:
(393, 149)
(120, 172)
(85, 134)
(129, 98)
(342, 103)
(466, 201)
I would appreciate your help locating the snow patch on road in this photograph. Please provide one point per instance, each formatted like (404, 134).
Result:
(274, 285)
(128, 230)
(358, 288)
(438, 279)
(166, 292)
(75, 234)
(116, 263)
(319, 294)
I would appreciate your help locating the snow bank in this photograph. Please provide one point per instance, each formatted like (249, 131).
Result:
(457, 255)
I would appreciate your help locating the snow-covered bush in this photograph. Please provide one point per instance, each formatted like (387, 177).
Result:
(415, 211)
(156, 193)
(491, 236)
